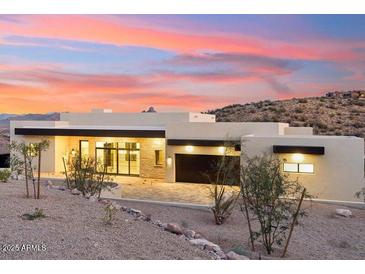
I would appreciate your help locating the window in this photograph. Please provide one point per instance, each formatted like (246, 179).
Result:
(306, 168)
(158, 157)
(84, 149)
(298, 168)
(290, 167)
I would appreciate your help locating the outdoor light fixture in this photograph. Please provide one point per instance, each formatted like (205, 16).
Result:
(189, 148)
(169, 161)
(73, 153)
(298, 157)
(221, 150)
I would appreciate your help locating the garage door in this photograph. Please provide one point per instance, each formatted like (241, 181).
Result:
(192, 168)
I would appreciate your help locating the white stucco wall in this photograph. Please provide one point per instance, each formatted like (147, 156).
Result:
(134, 119)
(221, 130)
(337, 175)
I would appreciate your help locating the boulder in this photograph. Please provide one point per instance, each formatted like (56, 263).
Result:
(75, 191)
(49, 183)
(234, 256)
(189, 233)
(116, 205)
(134, 212)
(343, 212)
(198, 236)
(205, 244)
(93, 199)
(124, 208)
(174, 228)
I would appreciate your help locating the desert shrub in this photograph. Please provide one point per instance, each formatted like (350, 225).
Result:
(37, 214)
(298, 110)
(223, 194)
(302, 100)
(110, 211)
(5, 175)
(88, 176)
(361, 194)
(271, 198)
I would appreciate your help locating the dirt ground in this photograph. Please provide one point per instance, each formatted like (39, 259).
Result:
(74, 229)
(321, 235)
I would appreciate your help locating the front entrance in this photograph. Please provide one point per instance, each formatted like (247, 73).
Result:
(193, 168)
(120, 158)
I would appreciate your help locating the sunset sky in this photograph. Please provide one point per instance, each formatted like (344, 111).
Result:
(174, 63)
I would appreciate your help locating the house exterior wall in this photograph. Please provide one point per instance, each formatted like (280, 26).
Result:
(298, 131)
(221, 130)
(134, 119)
(338, 174)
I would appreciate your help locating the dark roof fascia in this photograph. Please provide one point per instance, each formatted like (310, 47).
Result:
(317, 150)
(90, 132)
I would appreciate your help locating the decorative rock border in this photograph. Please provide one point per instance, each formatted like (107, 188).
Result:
(194, 238)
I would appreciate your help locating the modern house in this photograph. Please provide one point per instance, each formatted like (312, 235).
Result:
(181, 147)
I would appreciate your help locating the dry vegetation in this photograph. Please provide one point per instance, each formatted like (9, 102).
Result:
(327, 116)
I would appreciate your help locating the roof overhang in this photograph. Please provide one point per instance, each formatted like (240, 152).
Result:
(91, 132)
(317, 150)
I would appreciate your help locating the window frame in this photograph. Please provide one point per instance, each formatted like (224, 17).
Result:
(298, 168)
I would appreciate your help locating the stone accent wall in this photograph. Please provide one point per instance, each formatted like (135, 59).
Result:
(148, 169)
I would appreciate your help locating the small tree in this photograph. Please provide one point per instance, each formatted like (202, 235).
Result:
(24, 154)
(223, 193)
(272, 199)
(87, 175)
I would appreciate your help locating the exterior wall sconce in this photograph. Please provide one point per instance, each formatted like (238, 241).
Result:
(169, 161)
(297, 157)
(73, 153)
(189, 149)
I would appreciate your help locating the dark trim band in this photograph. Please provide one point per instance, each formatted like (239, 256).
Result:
(299, 149)
(90, 132)
(203, 143)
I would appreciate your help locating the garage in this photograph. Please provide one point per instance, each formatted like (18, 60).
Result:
(193, 168)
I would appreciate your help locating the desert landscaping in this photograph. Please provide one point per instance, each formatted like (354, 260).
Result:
(74, 227)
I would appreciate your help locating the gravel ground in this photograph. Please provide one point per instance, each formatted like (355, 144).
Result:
(321, 235)
(73, 229)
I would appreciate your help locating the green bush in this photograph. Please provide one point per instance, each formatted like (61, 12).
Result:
(38, 214)
(5, 175)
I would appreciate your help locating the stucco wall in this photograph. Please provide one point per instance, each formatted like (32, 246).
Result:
(221, 131)
(337, 175)
(134, 119)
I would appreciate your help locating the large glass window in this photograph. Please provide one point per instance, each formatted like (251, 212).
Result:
(119, 158)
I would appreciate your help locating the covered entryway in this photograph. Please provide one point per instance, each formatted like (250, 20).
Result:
(194, 168)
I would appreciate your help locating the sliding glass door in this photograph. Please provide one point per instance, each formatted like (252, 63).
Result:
(119, 158)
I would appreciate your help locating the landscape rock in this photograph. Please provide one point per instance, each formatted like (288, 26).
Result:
(198, 236)
(116, 206)
(75, 191)
(221, 254)
(49, 183)
(205, 244)
(134, 212)
(174, 228)
(234, 256)
(93, 199)
(124, 208)
(190, 234)
(343, 212)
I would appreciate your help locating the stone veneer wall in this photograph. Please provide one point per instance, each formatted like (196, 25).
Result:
(148, 169)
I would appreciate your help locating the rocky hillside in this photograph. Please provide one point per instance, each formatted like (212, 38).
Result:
(328, 116)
